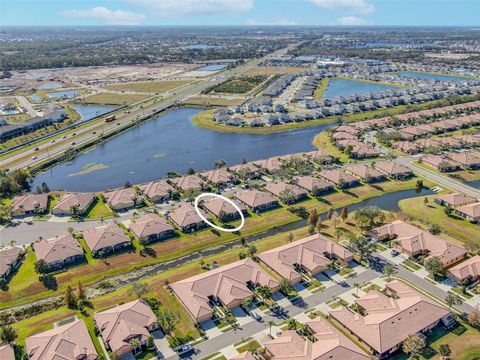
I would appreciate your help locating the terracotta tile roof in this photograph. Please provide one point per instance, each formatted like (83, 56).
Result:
(388, 321)
(472, 210)
(70, 341)
(254, 198)
(228, 283)
(8, 256)
(363, 171)
(6, 352)
(436, 160)
(311, 253)
(407, 147)
(465, 158)
(249, 167)
(189, 182)
(185, 215)
(246, 355)
(120, 198)
(319, 155)
(343, 136)
(29, 202)
(309, 183)
(57, 249)
(80, 200)
(335, 176)
(457, 199)
(217, 176)
(392, 168)
(277, 188)
(216, 205)
(104, 236)
(156, 189)
(149, 224)
(467, 269)
(271, 164)
(119, 324)
(428, 143)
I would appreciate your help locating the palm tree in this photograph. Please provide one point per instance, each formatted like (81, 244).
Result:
(292, 324)
(445, 351)
(270, 324)
(135, 344)
(357, 286)
(389, 270)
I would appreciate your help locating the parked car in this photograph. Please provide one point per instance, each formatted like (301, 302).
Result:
(36, 149)
(183, 349)
(34, 158)
(394, 252)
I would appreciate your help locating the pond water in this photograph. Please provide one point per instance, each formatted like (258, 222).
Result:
(212, 67)
(63, 94)
(168, 143)
(428, 76)
(475, 184)
(36, 98)
(343, 87)
(88, 112)
(48, 86)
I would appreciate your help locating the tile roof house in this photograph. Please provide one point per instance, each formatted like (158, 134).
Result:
(311, 254)
(107, 239)
(468, 270)
(246, 355)
(329, 344)
(415, 241)
(280, 189)
(365, 172)
(9, 259)
(393, 169)
(71, 204)
(29, 204)
(466, 159)
(121, 199)
(230, 285)
(70, 341)
(314, 185)
(320, 156)
(219, 177)
(6, 352)
(256, 200)
(270, 165)
(186, 218)
(151, 227)
(222, 209)
(455, 199)
(248, 169)
(157, 191)
(470, 211)
(407, 147)
(385, 322)
(339, 178)
(188, 183)
(120, 324)
(59, 252)
(440, 163)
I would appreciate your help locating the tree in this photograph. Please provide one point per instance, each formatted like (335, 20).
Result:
(292, 324)
(167, 320)
(251, 250)
(389, 270)
(219, 163)
(287, 196)
(357, 286)
(264, 291)
(190, 171)
(453, 299)
(248, 303)
(312, 217)
(41, 267)
(448, 210)
(369, 217)
(425, 200)
(70, 298)
(363, 247)
(135, 344)
(434, 266)
(319, 225)
(81, 294)
(270, 324)
(338, 233)
(344, 214)
(286, 286)
(290, 237)
(419, 185)
(434, 229)
(474, 317)
(445, 351)
(412, 345)
(8, 335)
(138, 289)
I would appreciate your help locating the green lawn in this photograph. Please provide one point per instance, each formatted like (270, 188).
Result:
(99, 209)
(322, 142)
(251, 346)
(412, 265)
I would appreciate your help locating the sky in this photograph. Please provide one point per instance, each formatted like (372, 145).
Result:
(241, 12)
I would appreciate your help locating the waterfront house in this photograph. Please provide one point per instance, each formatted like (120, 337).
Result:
(229, 285)
(249, 170)
(120, 324)
(9, 260)
(270, 165)
(188, 183)
(157, 191)
(470, 212)
(284, 191)
(223, 209)
(467, 159)
(69, 341)
(394, 169)
(106, 239)
(320, 156)
(121, 199)
(73, 204)
(29, 204)
(219, 177)
(314, 185)
(466, 271)
(365, 172)
(150, 228)
(339, 178)
(256, 200)
(59, 252)
(186, 218)
(455, 199)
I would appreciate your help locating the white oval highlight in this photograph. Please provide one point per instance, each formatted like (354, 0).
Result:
(199, 197)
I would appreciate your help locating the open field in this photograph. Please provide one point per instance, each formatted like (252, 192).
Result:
(149, 87)
(237, 85)
(212, 101)
(266, 70)
(115, 99)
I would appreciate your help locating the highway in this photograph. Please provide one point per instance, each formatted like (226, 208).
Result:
(85, 134)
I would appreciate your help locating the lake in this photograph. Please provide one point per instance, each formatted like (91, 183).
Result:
(214, 67)
(343, 87)
(475, 184)
(436, 77)
(168, 143)
(88, 112)
(63, 94)
(49, 86)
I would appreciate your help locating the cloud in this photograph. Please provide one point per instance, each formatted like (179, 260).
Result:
(114, 17)
(355, 6)
(202, 7)
(351, 20)
(279, 21)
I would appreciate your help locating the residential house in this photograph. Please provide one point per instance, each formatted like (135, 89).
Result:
(470, 211)
(440, 163)
(106, 239)
(311, 254)
(339, 178)
(286, 192)
(384, 322)
(219, 177)
(188, 183)
(407, 147)
(394, 169)
(59, 252)
(29, 204)
(414, 241)
(229, 285)
(223, 209)
(365, 172)
(121, 199)
(9, 260)
(157, 191)
(120, 324)
(69, 341)
(186, 218)
(466, 159)
(73, 204)
(6, 352)
(150, 228)
(270, 165)
(256, 200)
(314, 185)
(466, 271)
(248, 170)
(455, 199)
(320, 156)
